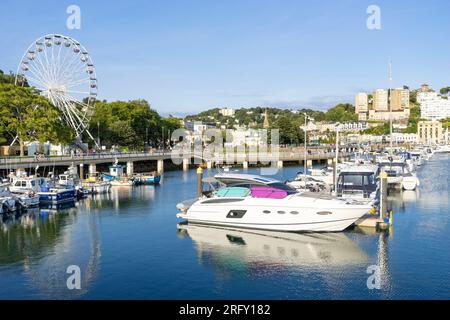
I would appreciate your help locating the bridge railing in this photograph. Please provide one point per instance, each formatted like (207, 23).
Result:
(296, 155)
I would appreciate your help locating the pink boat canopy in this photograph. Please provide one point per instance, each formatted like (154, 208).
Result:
(267, 192)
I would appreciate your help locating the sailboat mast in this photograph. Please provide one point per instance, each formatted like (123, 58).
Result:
(390, 105)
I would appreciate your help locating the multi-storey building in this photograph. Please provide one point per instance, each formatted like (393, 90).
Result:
(399, 99)
(433, 106)
(380, 100)
(430, 132)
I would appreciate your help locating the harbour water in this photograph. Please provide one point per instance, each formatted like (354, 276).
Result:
(128, 246)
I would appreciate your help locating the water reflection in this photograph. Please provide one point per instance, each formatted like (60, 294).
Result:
(256, 250)
(44, 242)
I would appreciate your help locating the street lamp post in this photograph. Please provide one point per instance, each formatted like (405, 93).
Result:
(337, 157)
(304, 149)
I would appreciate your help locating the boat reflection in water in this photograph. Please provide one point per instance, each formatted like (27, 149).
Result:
(44, 243)
(257, 248)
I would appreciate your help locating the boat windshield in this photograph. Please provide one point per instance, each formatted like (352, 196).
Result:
(282, 186)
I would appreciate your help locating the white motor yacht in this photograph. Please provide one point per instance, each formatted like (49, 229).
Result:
(399, 175)
(255, 202)
(358, 182)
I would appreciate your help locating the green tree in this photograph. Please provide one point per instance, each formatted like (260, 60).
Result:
(27, 116)
(130, 124)
(290, 132)
(343, 112)
(445, 91)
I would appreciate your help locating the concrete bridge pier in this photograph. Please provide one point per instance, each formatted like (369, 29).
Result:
(209, 164)
(130, 168)
(280, 163)
(92, 168)
(309, 163)
(245, 164)
(330, 162)
(186, 164)
(81, 171)
(160, 166)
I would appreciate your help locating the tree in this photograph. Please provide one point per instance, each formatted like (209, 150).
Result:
(27, 116)
(343, 112)
(130, 124)
(289, 131)
(444, 91)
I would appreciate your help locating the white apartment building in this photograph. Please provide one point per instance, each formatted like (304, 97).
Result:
(227, 112)
(433, 106)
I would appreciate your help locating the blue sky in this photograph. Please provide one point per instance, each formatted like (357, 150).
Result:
(187, 56)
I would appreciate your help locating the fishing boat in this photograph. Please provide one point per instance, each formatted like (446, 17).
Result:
(255, 202)
(147, 179)
(56, 195)
(93, 185)
(116, 176)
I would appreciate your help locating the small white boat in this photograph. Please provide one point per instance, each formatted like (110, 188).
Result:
(121, 183)
(28, 199)
(399, 175)
(324, 175)
(416, 156)
(8, 202)
(96, 187)
(93, 185)
(308, 184)
(443, 149)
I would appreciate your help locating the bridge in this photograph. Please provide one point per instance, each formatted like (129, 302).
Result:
(245, 159)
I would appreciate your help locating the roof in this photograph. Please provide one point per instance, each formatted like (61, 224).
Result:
(359, 168)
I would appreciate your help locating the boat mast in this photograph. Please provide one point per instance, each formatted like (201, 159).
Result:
(390, 106)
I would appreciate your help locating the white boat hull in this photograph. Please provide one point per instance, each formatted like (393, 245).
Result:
(294, 214)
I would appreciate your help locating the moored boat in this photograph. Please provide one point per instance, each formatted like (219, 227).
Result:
(268, 204)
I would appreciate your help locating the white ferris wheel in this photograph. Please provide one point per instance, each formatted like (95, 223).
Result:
(61, 69)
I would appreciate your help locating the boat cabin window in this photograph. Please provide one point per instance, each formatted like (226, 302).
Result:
(21, 184)
(357, 179)
(33, 183)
